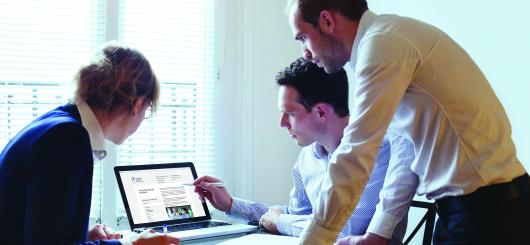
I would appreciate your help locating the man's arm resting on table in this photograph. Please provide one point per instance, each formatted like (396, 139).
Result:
(285, 224)
(250, 211)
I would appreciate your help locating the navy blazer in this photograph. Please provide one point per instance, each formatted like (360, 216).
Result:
(46, 181)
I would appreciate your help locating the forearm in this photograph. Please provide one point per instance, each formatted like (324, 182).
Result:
(398, 190)
(372, 239)
(292, 225)
(247, 210)
(341, 192)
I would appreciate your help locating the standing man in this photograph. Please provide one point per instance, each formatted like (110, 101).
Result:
(314, 110)
(415, 81)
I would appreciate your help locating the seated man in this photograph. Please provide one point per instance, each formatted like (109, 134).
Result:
(314, 110)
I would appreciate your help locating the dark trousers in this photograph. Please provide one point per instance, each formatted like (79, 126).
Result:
(495, 214)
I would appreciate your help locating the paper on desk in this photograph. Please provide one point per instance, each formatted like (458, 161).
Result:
(258, 239)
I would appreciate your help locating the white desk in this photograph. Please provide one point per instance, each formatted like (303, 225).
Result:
(212, 240)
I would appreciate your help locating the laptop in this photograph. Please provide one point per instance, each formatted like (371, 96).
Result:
(155, 195)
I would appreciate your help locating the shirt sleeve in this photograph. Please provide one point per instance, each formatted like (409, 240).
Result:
(365, 209)
(385, 67)
(247, 210)
(299, 203)
(60, 165)
(292, 224)
(298, 213)
(397, 192)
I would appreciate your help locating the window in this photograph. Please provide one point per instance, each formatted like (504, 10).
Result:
(43, 43)
(177, 38)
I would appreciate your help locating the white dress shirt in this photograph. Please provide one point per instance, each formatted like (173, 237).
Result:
(415, 81)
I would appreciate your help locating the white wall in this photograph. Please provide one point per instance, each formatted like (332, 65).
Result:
(256, 155)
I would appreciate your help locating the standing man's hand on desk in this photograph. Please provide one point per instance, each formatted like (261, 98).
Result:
(210, 188)
(366, 239)
(269, 220)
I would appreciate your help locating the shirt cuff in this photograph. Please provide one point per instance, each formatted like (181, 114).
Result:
(238, 208)
(383, 224)
(316, 234)
(285, 224)
(247, 210)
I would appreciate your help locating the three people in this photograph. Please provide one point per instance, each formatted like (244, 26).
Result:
(414, 81)
(46, 169)
(314, 111)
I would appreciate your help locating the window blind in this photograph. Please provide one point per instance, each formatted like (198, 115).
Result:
(42, 44)
(177, 38)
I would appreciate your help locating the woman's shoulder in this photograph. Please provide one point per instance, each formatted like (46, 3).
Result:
(63, 121)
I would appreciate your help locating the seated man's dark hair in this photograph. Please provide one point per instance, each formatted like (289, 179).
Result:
(316, 86)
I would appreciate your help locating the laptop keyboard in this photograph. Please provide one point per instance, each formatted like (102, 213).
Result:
(191, 226)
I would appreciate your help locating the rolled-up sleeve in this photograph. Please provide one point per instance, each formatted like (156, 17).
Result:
(292, 224)
(298, 214)
(397, 193)
(247, 210)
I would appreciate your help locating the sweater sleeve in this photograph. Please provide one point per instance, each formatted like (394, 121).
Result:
(59, 175)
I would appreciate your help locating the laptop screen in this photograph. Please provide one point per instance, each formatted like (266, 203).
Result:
(160, 194)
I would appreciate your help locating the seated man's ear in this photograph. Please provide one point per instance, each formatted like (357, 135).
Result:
(322, 110)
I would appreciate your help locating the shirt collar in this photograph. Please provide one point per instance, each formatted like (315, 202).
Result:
(91, 124)
(320, 152)
(367, 19)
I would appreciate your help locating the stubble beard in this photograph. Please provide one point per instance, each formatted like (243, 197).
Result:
(335, 56)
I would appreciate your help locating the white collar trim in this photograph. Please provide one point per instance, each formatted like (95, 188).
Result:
(91, 124)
